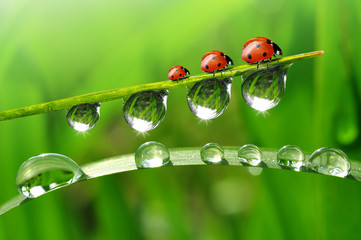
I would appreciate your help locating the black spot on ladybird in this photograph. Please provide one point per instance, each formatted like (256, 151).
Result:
(258, 45)
(268, 41)
(207, 66)
(249, 56)
(264, 54)
(219, 64)
(222, 54)
(213, 57)
(180, 74)
(172, 76)
(182, 67)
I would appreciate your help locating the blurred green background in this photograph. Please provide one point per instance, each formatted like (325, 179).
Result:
(55, 49)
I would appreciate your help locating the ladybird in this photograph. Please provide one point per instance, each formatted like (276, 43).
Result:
(260, 48)
(215, 60)
(177, 72)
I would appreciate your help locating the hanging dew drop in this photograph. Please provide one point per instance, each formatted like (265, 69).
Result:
(291, 157)
(250, 154)
(152, 154)
(46, 172)
(143, 111)
(212, 153)
(330, 161)
(263, 89)
(83, 117)
(255, 171)
(208, 99)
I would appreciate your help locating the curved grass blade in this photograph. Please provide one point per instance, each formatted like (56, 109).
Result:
(178, 157)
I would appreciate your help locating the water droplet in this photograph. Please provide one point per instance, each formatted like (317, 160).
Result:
(255, 171)
(83, 117)
(291, 156)
(151, 154)
(330, 161)
(46, 172)
(263, 89)
(208, 99)
(250, 154)
(143, 111)
(212, 153)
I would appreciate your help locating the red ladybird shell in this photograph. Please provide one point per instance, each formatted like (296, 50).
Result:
(259, 48)
(177, 72)
(214, 60)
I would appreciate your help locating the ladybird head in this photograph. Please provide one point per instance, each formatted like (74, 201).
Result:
(277, 49)
(229, 60)
(187, 72)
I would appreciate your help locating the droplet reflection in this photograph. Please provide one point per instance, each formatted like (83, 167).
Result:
(83, 117)
(212, 153)
(250, 154)
(46, 172)
(263, 89)
(330, 161)
(143, 111)
(208, 99)
(151, 154)
(291, 156)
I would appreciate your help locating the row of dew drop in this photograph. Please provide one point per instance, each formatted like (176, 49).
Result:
(49, 171)
(143, 111)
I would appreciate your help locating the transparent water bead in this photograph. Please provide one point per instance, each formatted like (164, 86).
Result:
(151, 154)
(291, 156)
(264, 89)
(46, 172)
(143, 111)
(255, 171)
(208, 99)
(330, 161)
(83, 117)
(212, 153)
(250, 154)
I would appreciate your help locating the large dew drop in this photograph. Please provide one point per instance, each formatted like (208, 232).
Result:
(212, 153)
(250, 154)
(151, 154)
(208, 99)
(83, 117)
(264, 89)
(143, 111)
(291, 157)
(330, 161)
(46, 172)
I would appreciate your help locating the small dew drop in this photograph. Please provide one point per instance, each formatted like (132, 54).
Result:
(264, 88)
(250, 154)
(212, 153)
(151, 154)
(208, 99)
(330, 161)
(291, 156)
(46, 172)
(143, 111)
(255, 171)
(83, 117)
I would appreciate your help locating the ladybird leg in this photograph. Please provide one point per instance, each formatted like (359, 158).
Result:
(276, 58)
(258, 64)
(227, 67)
